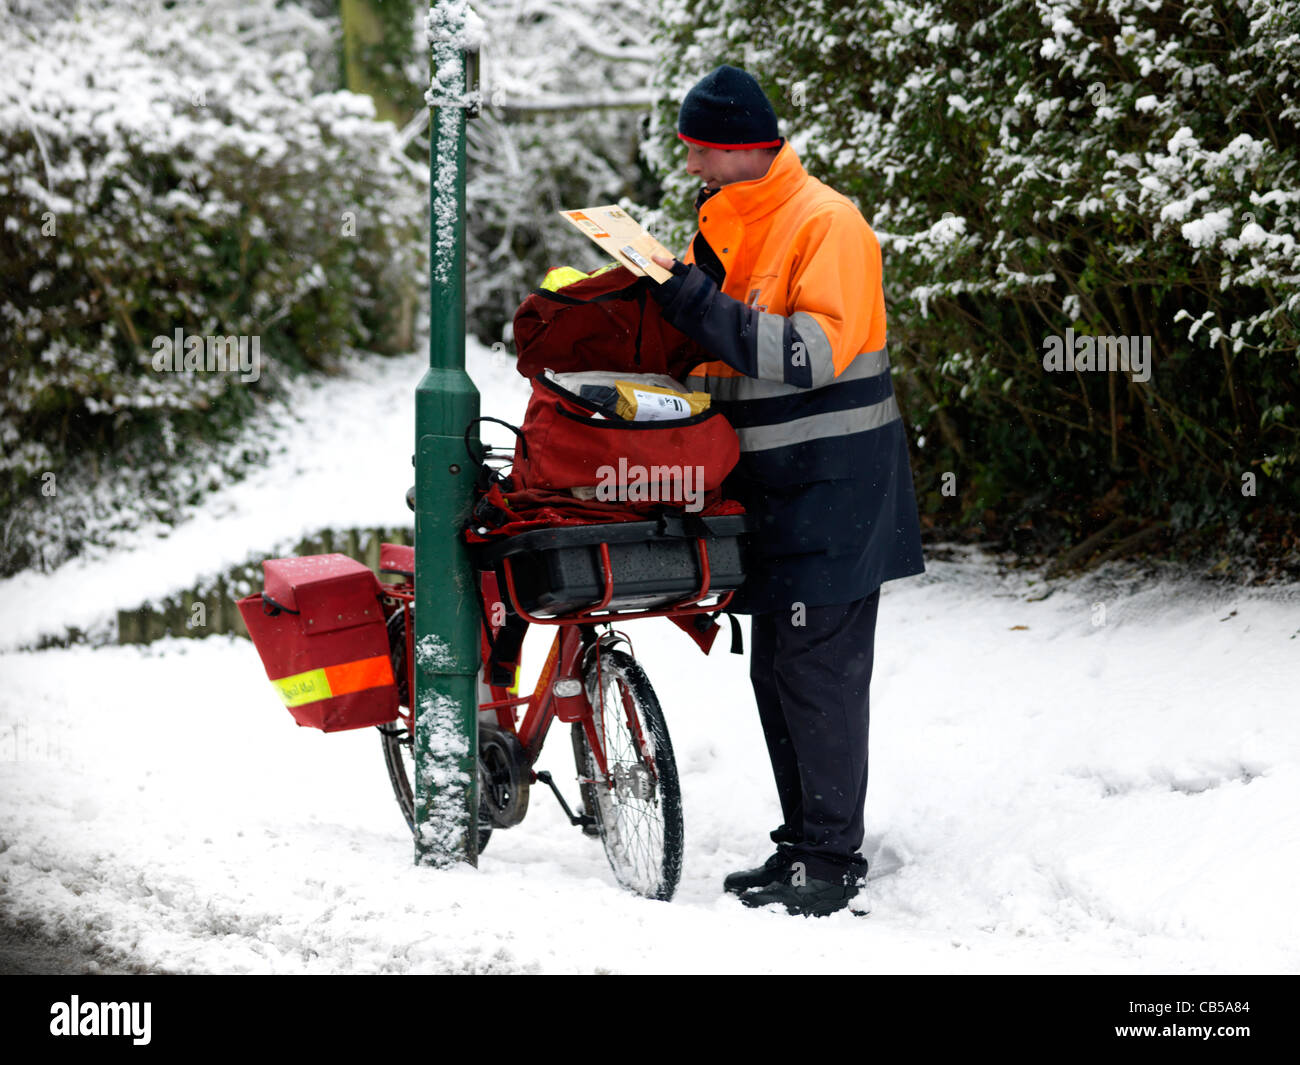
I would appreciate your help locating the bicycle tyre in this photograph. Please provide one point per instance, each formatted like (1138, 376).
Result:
(399, 755)
(639, 814)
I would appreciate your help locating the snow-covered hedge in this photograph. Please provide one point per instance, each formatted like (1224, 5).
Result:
(1121, 168)
(170, 173)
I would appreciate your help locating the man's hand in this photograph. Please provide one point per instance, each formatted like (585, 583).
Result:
(666, 290)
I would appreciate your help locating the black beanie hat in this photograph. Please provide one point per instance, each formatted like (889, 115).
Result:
(727, 109)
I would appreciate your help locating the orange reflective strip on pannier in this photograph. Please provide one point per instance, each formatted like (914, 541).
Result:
(317, 684)
(357, 676)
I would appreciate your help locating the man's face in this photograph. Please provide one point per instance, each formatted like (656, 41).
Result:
(718, 166)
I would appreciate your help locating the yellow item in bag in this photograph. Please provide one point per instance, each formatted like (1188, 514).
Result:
(559, 276)
(650, 403)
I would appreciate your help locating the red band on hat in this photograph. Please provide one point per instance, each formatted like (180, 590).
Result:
(731, 147)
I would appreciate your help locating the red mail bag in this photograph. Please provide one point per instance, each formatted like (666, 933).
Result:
(319, 628)
(606, 322)
(566, 445)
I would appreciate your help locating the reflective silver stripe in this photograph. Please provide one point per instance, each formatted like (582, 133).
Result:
(819, 426)
(771, 347)
(819, 355)
(735, 389)
(867, 364)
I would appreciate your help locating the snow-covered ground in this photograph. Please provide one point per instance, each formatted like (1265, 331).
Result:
(345, 462)
(1104, 780)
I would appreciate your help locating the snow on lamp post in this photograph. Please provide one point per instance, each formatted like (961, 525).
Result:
(445, 699)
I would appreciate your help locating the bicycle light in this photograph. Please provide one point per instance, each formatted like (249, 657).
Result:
(570, 704)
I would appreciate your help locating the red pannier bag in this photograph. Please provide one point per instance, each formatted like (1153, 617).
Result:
(564, 445)
(605, 322)
(319, 627)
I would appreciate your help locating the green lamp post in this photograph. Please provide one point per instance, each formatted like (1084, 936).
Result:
(446, 605)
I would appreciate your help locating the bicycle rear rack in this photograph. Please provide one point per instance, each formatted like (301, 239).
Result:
(692, 604)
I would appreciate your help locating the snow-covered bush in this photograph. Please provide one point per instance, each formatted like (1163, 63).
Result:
(1121, 168)
(163, 171)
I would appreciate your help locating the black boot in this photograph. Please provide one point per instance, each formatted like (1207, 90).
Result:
(774, 870)
(806, 895)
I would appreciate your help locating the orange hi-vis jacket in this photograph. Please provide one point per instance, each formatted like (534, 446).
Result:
(783, 285)
(792, 246)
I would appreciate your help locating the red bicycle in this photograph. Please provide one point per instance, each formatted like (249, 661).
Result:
(627, 776)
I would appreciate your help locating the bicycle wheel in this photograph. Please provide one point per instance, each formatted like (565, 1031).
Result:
(638, 808)
(399, 742)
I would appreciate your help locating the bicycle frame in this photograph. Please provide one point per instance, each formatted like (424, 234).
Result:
(542, 706)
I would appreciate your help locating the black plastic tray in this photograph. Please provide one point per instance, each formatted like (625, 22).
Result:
(654, 563)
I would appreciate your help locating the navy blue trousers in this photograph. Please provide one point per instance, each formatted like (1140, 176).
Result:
(811, 684)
